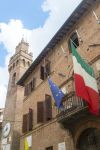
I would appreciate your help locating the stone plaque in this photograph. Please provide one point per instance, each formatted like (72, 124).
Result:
(62, 146)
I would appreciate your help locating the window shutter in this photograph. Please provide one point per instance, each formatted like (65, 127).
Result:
(40, 112)
(30, 119)
(48, 69)
(29, 87)
(48, 107)
(26, 91)
(33, 83)
(24, 127)
(42, 73)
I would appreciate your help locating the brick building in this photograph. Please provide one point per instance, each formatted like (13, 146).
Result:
(44, 126)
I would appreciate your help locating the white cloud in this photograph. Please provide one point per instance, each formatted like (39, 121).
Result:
(12, 32)
(3, 85)
(3, 91)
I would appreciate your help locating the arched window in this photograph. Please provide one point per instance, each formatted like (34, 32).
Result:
(23, 62)
(28, 63)
(74, 39)
(14, 65)
(17, 62)
(10, 69)
(14, 79)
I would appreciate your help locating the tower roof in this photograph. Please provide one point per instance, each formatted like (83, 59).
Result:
(22, 46)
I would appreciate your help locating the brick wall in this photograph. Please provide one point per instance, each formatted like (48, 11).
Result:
(52, 133)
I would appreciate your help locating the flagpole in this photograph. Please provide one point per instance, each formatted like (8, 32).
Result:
(96, 17)
(73, 42)
(60, 74)
(76, 46)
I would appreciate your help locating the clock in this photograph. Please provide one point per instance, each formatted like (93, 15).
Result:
(6, 129)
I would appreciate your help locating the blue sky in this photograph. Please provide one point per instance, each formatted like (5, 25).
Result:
(28, 11)
(3, 53)
(35, 20)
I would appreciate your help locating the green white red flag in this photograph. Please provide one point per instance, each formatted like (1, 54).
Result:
(85, 82)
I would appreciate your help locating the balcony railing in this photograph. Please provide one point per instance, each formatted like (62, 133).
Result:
(73, 105)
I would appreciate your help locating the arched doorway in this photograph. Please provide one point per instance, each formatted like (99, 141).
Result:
(89, 140)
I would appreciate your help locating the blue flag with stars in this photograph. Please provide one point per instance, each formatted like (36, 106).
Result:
(57, 93)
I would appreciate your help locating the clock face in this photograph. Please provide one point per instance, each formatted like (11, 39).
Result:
(6, 129)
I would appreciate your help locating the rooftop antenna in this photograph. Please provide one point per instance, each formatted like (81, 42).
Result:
(96, 17)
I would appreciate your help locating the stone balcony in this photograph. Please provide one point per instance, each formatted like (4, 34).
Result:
(74, 109)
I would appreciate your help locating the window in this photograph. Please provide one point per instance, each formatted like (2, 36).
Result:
(40, 112)
(44, 110)
(10, 69)
(14, 65)
(27, 121)
(48, 69)
(30, 119)
(23, 62)
(28, 63)
(49, 148)
(48, 107)
(74, 38)
(17, 62)
(42, 72)
(29, 87)
(14, 79)
(45, 70)
(32, 85)
(26, 90)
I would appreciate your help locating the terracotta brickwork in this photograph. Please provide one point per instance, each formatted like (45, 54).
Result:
(49, 134)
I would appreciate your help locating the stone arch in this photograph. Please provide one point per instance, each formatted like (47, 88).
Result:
(13, 65)
(14, 79)
(23, 60)
(10, 69)
(17, 62)
(94, 125)
(28, 63)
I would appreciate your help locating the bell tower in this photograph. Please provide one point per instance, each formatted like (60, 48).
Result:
(18, 64)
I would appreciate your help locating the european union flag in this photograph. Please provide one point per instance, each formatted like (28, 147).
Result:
(57, 93)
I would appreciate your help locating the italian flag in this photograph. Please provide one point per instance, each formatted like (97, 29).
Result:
(85, 82)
